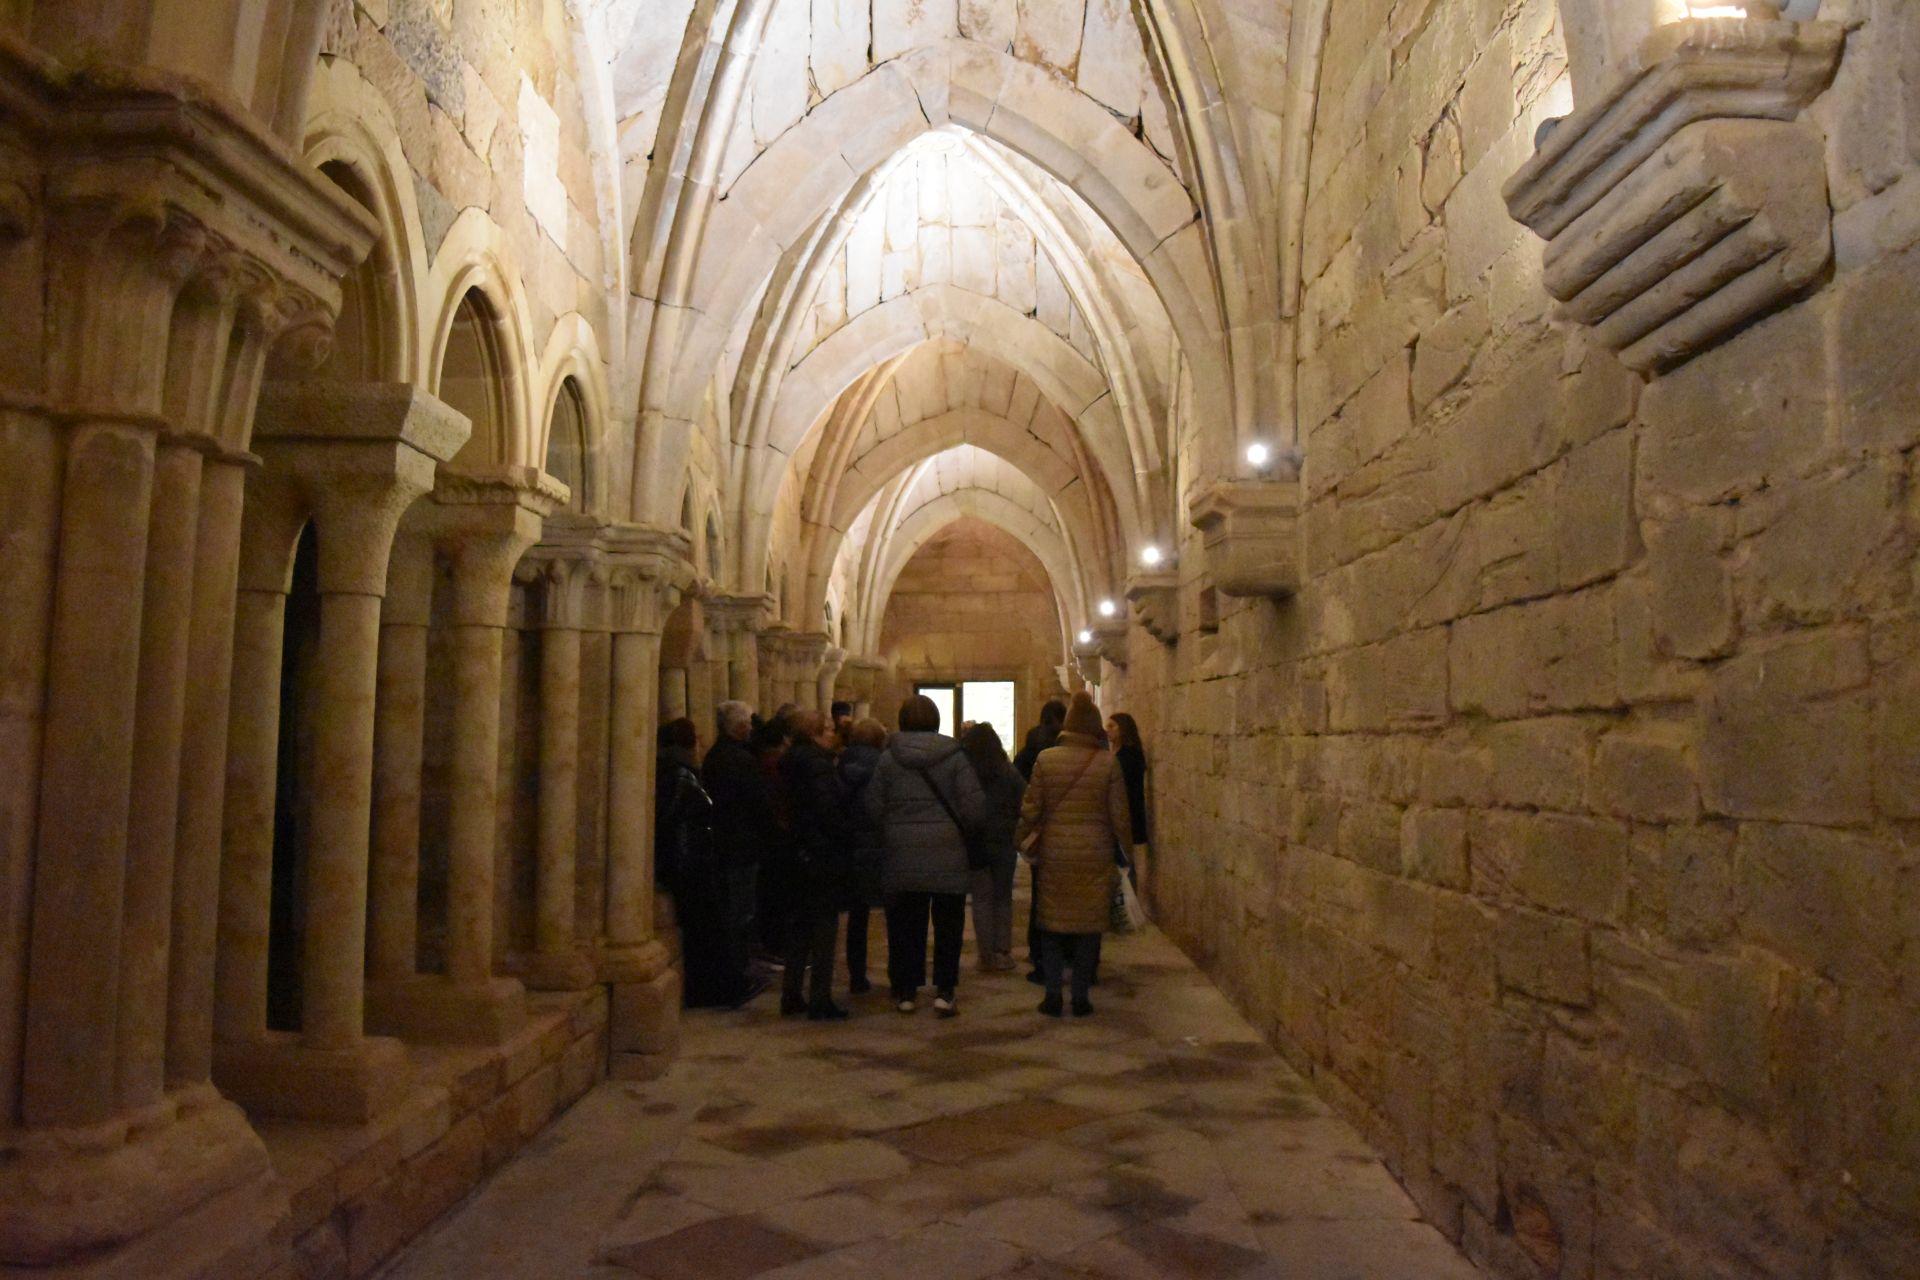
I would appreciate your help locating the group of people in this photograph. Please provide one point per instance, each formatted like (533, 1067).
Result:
(791, 822)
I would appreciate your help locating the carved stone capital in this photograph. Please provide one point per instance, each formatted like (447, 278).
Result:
(733, 615)
(1689, 199)
(647, 570)
(142, 185)
(485, 521)
(1155, 598)
(359, 455)
(1249, 529)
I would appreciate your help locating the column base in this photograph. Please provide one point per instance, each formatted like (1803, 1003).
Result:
(284, 1077)
(431, 1009)
(643, 1026)
(559, 971)
(185, 1191)
(634, 962)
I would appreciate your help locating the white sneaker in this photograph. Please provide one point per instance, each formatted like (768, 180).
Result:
(944, 1006)
(906, 1006)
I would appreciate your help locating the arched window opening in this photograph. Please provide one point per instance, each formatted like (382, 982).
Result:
(567, 444)
(472, 379)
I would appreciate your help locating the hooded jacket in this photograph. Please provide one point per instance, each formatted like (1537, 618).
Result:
(925, 851)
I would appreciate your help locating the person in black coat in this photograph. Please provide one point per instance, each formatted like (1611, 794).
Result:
(745, 823)
(821, 851)
(865, 740)
(685, 865)
(1041, 736)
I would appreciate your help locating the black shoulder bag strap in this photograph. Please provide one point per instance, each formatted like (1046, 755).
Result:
(976, 858)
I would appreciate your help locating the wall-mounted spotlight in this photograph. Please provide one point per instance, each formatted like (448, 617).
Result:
(1151, 556)
(1109, 609)
(1259, 455)
(1086, 637)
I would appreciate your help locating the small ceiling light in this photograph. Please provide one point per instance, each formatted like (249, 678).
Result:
(1763, 10)
(1151, 556)
(1259, 455)
(1108, 608)
(1086, 637)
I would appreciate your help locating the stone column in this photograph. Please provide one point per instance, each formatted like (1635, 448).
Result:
(357, 456)
(393, 889)
(648, 570)
(558, 962)
(733, 623)
(830, 666)
(483, 522)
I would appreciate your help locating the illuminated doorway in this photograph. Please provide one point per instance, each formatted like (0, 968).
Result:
(990, 701)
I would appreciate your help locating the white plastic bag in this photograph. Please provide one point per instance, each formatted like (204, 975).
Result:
(1130, 906)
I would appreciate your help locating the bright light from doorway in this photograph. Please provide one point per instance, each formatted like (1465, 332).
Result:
(991, 702)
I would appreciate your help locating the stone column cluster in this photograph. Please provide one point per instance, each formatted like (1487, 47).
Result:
(157, 247)
(733, 645)
(350, 459)
(478, 524)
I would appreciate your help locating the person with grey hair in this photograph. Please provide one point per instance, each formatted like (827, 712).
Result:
(746, 823)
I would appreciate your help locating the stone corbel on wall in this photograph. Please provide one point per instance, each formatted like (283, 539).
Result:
(1155, 598)
(1108, 642)
(1249, 530)
(1691, 198)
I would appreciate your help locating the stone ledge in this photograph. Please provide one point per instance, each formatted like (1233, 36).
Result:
(1155, 598)
(359, 1192)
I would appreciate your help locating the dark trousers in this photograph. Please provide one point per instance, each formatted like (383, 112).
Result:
(907, 915)
(1061, 951)
(857, 920)
(811, 934)
(742, 909)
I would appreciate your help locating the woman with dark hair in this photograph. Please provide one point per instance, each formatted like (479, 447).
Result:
(1002, 787)
(686, 864)
(1124, 733)
(926, 801)
(865, 740)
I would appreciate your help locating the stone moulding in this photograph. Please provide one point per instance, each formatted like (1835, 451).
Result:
(1249, 530)
(1690, 199)
(1155, 598)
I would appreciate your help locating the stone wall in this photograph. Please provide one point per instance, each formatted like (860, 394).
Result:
(972, 604)
(1562, 826)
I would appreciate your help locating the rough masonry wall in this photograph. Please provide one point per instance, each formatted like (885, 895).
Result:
(1589, 881)
(972, 604)
(487, 105)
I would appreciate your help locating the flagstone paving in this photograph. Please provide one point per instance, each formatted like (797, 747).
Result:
(1158, 1138)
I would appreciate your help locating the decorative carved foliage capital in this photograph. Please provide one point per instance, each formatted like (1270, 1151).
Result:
(1689, 199)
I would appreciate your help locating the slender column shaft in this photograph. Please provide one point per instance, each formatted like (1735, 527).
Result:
(636, 657)
(399, 727)
(246, 868)
(29, 524)
(700, 699)
(673, 693)
(559, 788)
(86, 773)
(471, 827)
(203, 775)
(506, 780)
(334, 955)
(147, 927)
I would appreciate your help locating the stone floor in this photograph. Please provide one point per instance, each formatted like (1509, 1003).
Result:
(1159, 1137)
